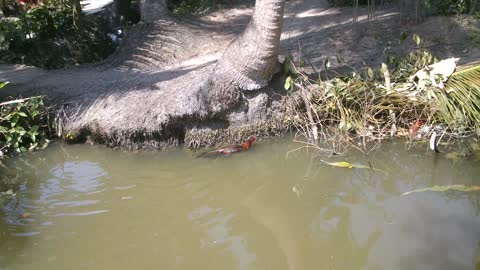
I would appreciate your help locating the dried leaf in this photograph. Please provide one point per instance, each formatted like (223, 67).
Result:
(445, 188)
(341, 164)
(344, 164)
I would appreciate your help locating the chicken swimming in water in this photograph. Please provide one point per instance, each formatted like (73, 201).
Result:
(230, 149)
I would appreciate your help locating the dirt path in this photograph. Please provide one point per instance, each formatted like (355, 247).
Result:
(151, 84)
(313, 31)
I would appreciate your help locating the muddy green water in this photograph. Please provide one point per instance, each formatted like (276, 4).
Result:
(94, 208)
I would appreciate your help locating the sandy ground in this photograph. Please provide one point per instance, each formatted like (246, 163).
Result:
(156, 68)
(313, 32)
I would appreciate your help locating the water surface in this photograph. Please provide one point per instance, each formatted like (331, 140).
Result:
(89, 207)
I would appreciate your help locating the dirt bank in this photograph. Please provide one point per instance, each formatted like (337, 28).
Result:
(149, 94)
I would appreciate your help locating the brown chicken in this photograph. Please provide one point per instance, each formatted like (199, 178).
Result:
(230, 149)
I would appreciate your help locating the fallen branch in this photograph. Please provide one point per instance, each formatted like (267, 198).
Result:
(16, 101)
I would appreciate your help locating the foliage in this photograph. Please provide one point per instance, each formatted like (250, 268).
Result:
(450, 6)
(403, 67)
(23, 125)
(3, 84)
(46, 36)
(436, 7)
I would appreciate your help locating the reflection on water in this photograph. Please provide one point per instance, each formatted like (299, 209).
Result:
(85, 207)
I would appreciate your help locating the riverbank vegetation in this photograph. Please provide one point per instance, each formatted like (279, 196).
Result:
(50, 34)
(433, 7)
(25, 125)
(414, 97)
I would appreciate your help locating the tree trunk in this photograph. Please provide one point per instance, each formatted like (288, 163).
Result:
(2, 5)
(151, 10)
(77, 13)
(251, 60)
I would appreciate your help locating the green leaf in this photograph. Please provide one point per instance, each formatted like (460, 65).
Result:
(370, 73)
(418, 40)
(14, 120)
(445, 188)
(289, 82)
(20, 130)
(22, 114)
(3, 84)
(33, 130)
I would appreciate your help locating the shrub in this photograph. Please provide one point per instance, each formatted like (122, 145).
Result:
(23, 126)
(45, 36)
(431, 6)
(449, 6)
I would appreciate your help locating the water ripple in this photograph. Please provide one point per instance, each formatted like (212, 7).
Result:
(89, 213)
(74, 203)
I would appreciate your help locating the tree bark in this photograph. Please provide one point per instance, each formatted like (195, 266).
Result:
(251, 60)
(151, 10)
(77, 13)
(2, 5)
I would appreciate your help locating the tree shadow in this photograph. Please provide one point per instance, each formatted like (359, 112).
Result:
(317, 34)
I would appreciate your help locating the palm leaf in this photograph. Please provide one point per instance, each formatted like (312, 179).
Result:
(460, 103)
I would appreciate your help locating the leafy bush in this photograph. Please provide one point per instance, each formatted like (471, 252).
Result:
(23, 125)
(431, 6)
(450, 6)
(46, 21)
(10, 34)
(46, 36)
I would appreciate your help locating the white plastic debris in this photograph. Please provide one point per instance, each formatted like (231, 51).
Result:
(433, 142)
(444, 69)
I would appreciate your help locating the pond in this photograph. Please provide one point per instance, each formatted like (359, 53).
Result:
(90, 207)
